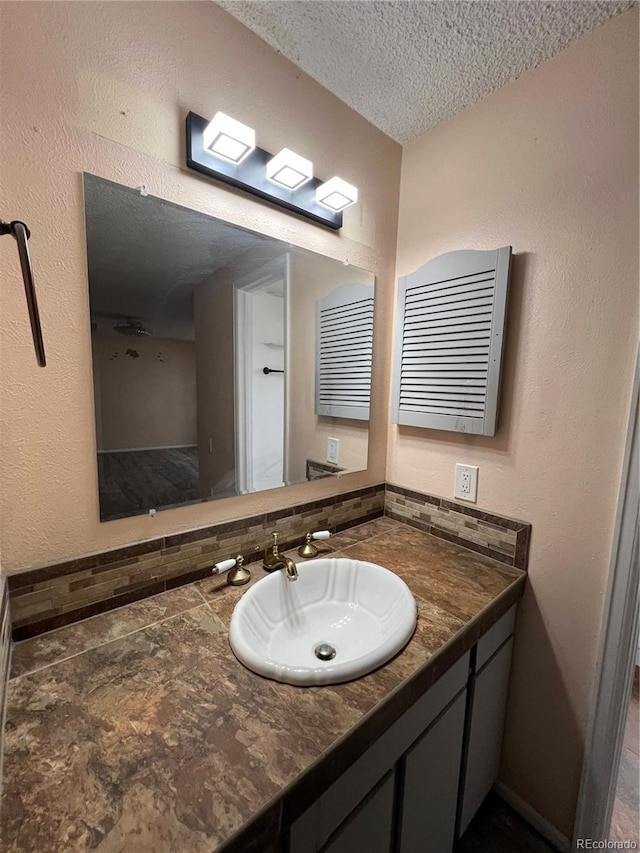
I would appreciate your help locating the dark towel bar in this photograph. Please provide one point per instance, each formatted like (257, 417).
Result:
(21, 234)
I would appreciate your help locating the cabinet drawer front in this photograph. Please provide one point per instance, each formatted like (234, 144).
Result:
(430, 792)
(495, 637)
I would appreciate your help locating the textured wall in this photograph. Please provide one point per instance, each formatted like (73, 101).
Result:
(104, 87)
(214, 337)
(148, 400)
(549, 164)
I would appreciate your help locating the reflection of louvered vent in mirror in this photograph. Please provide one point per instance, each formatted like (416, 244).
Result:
(344, 336)
(448, 347)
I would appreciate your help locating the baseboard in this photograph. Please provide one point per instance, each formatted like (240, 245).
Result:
(540, 824)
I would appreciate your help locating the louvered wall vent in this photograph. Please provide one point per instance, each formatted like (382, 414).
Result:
(448, 344)
(344, 337)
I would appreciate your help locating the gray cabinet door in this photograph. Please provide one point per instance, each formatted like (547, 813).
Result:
(430, 796)
(333, 807)
(369, 829)
(485, 735)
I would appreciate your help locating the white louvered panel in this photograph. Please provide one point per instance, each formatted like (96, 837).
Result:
(449, 341)
(344, 340)
(451, 301)
(449, 360)
(457, 284)
(437, 331)
(424, 328)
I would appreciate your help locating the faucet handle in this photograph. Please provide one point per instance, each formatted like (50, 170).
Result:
(272, 556)
(310, 550)
(321, 534)
(237, 574)
(240, 575)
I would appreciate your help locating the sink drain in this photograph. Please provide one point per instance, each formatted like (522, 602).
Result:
(324, 651)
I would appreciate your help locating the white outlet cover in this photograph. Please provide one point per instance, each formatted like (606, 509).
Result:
(332, 450)
(465, 487)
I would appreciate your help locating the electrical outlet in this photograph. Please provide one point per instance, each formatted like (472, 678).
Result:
(466, 483)
(332, 450)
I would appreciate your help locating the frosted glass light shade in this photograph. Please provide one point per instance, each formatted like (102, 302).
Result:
(289, 169)
(336, 194)
(225, 137)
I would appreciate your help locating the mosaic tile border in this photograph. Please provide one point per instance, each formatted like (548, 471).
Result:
(51, 596)
(499, 537)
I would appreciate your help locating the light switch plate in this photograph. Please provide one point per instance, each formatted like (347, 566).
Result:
(332, 450)
(466, 483)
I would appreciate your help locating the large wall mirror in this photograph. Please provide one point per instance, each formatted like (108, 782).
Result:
(224, 362)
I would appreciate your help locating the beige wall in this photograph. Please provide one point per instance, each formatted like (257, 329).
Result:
(313, 278)
(105, 87)
(213, 304)
(548, 164)
(149, 401)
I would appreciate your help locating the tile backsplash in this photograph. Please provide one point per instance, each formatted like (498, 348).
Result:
(504, 539)
(55, 595)
(51, 596)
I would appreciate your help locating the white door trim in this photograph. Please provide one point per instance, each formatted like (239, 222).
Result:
(617, 651)
(243, 313)
(274, 270)
(287, 364)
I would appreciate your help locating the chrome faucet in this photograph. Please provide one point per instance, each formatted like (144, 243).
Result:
(273, 560)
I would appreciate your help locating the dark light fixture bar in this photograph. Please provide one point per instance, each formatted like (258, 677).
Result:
(250, 175)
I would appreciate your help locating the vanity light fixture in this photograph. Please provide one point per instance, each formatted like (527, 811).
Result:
(336, 194)
(289, 169)
(228, 138)
(226, 150)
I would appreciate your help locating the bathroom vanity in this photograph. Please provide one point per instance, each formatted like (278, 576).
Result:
(157, 734)
(418, 786)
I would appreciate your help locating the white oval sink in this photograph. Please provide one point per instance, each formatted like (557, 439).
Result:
(339, 620)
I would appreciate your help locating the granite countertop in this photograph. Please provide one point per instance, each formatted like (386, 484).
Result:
(139, 728)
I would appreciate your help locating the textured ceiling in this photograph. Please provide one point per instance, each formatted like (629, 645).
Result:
(407, 65)
(146, 255)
